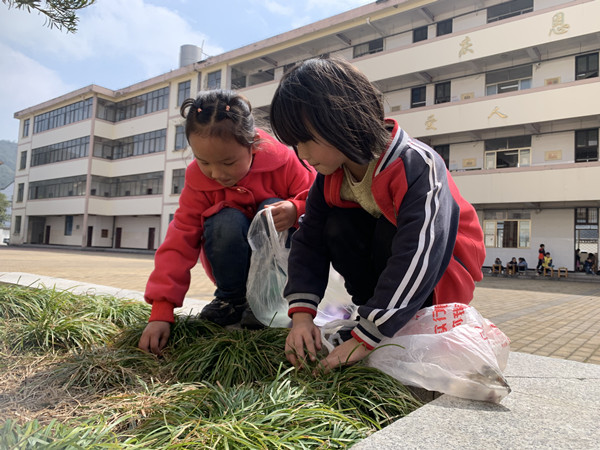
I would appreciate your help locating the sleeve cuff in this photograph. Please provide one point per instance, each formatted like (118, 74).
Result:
(367, 333)
(163, 311)
(307, 303)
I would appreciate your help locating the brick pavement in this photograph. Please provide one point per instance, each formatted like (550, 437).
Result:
(555, 318)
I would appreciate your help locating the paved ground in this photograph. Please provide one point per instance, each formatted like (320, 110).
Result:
(555, 318)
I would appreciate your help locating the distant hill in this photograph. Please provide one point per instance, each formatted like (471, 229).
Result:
(8, 155)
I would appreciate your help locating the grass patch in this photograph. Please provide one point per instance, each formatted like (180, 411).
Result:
(74, 378)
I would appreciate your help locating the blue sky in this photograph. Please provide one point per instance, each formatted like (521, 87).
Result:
(122, 42)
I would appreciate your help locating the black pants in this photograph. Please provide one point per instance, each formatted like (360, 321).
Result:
(359, 247)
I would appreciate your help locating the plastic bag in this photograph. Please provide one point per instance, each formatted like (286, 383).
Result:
(268, 274)
(446, 348)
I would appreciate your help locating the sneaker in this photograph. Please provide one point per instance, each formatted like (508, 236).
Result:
(249, 320)
(224, 311)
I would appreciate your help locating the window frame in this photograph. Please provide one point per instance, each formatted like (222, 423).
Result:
(183, 92)
(442, 27)
(421, 90)
(446, 85)
(590, 72)
(587, 148)
(521, 231)
(368, 48)
(213, 80)
(420, 34)
(506, 10)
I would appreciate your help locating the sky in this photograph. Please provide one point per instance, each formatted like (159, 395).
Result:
(122, 42)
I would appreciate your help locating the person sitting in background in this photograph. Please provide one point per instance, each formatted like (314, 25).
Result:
(522, 265)
(588, 264)
(511, 266)
(547, 264)
(498, 263)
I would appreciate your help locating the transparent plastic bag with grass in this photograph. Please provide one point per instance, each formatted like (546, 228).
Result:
(268, 275)
(447, 348)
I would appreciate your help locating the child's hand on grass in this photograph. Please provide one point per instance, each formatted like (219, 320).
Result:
(284, 214)
(155, 337)
(348, 353)
(303, 335)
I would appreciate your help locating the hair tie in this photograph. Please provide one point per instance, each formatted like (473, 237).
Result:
(199, 109)
(227, 108)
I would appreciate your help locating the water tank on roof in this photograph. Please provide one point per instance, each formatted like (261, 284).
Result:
(189, 54)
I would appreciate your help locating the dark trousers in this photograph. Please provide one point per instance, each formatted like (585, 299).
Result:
(359, 247)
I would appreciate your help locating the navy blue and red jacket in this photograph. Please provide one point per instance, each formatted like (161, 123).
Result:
(438, 246)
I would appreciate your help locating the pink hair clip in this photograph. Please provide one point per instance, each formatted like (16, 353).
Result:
(227, 108)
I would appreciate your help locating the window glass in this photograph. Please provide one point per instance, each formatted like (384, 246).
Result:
(586, 66)
(507, 233)
(444, 27)
(508, 9)
(417, 97)
(420, 34)
(442, 92)
(214, 80)
(368, 48)
(183, 92)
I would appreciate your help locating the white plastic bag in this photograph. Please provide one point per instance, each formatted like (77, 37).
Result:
(268, 274)
(447, 348)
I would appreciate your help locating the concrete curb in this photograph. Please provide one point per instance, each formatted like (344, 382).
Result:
(553, 404)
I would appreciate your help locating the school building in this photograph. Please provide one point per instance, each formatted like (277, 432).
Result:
(506, 91)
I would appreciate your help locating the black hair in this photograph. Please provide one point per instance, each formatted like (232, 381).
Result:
(219, 113)
(331, 98)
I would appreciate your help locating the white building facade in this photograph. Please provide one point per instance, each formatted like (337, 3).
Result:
(506, 91)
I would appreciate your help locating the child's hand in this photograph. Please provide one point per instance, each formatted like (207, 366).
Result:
(304, 333)
(284, 214)
(155, 337)
(347, 353)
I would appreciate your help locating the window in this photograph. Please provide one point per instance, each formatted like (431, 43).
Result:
(180, 139)
(23, 163)
(507, 229)
(214, 80)
(586, 66)
(238, 79)
(138, 144)
(183, 92)
(586, 145)
(442, 92)
(509, 9)
(420, 34)
(17, 229)
(61, 151)
(444, 152)
(57, 187)
(508, 152)
(586, 229)
(68, 225)
(20, 192)
(26, 128)
(507, 80)
(417, 97)
(139, 184)
(104, 233)
(63, 116)
(368, 48)
(444, 27)
(178, 180)
(133, 107)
